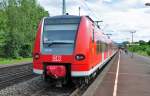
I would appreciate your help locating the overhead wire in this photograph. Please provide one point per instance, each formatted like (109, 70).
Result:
(90, 9)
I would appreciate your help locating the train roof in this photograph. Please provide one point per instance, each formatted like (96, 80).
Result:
(61, 19)
(69, 17)
(65, 17)
(76, 19)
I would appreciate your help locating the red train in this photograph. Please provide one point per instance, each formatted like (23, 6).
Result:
(70, 47)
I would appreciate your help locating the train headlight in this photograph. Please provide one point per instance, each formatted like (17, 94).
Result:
(80, 57)
(36, 56)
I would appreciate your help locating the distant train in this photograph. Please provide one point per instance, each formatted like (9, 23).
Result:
(69, 48)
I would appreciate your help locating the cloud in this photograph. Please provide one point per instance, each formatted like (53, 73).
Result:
(119, 16)
(125, 22)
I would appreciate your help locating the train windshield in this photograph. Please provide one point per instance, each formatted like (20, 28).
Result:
(59, 38)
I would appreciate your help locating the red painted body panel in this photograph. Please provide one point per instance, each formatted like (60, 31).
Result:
(105, 54)
(82, 46)
(37, 63)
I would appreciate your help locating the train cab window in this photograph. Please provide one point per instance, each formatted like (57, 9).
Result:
(58, 36)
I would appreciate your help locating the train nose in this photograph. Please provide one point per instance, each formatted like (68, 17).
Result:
(56, 71)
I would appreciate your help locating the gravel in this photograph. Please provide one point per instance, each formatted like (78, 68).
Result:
(24, 89)
(35, 87)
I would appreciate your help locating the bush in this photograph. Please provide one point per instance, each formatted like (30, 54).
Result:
(12, 45)
(148, 51)
(25, 50)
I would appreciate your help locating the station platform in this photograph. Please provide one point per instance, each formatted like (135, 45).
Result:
(127, 76)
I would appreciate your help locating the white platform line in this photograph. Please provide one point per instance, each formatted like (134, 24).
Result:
(116, 79)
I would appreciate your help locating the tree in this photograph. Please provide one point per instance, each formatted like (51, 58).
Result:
(18, 24)
(142, 42)
(148, 42)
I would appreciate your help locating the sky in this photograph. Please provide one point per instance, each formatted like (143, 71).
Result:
(120, 17)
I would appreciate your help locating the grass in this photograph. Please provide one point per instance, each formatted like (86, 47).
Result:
(14, 61)
(142, 53)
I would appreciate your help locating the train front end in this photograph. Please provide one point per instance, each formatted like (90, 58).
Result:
(54, 46)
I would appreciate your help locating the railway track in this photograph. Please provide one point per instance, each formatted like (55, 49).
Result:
(51, 90)
(10, 75)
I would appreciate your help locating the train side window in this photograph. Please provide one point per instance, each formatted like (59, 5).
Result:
(98, 47)
(103, 47)
(106, 49)
(93, 36)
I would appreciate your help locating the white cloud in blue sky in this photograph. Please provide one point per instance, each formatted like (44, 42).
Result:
(119, 16)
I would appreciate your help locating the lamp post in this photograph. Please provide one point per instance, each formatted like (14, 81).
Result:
(64, 7)
(79, 11)
(132, 32)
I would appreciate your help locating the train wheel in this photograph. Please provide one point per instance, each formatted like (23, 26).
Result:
(59, 84)
(45, 78)
(87, 80)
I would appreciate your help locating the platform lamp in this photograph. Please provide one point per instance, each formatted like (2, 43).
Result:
(79, 10)
(132, 32)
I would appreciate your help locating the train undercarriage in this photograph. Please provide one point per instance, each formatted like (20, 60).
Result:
(65, 79)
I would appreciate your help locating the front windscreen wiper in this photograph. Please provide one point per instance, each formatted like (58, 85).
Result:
(51, 42)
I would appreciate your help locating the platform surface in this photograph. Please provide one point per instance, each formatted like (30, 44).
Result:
(133, 77)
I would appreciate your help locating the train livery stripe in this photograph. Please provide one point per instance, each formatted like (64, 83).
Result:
(87, 73)
(37, 71)
(80, 73)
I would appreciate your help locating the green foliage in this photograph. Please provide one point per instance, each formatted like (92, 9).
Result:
(12, 45)
(25, 50)
(148, 42)
(143, 48)
(141, 42)
(148, 51)
(18, 24)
